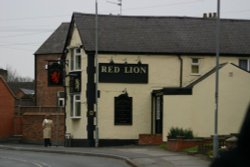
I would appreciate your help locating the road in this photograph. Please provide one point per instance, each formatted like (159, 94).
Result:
(13, 158)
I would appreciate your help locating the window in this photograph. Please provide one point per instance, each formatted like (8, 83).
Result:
(61, 102)
(195, 66)
(60, 99)
(75, 59)
(244, 64)
(75, 106)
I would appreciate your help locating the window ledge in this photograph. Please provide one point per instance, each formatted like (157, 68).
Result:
(75, 70)
(76, 117)
(193, 74)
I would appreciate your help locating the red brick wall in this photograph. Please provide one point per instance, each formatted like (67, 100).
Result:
(148, 139)
(7, 105)
(18, 125)
(32, 127)
(181, 144)
(45, 96)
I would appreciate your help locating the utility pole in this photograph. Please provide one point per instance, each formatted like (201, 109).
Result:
(215, 138)
(97, 74)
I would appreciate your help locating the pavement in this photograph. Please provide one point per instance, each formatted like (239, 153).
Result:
(135, 156)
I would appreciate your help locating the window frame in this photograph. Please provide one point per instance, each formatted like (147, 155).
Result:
(60, 98)
(76, 59)
(73, 102)
(59, 101)
(248, 63)
(195, 64)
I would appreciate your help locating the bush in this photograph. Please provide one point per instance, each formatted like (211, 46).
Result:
(176, 132)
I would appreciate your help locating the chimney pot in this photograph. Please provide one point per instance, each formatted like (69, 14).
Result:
(214, 14)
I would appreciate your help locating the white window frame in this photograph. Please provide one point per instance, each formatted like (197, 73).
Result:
(75, 59)
(195, 64)
(248, 63)
(73, 103)
(61, 101)
(60, 98)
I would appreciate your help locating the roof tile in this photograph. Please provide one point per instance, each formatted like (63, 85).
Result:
(139, 34)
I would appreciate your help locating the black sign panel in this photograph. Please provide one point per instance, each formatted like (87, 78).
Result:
(123, 110)
(75, 82)
(123, 73)
(55, 75)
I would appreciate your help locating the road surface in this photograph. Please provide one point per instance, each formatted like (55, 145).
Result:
(13, 158)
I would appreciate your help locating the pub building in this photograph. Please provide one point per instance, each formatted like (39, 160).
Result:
(154, 73)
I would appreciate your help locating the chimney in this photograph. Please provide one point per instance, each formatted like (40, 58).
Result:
(204, 15)
(209, 15)
(214, 15)
(4, 74)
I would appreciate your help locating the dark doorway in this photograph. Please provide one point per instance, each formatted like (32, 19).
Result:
(157, 113)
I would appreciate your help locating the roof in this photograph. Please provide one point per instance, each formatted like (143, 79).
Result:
(7, 86)
(212, 71)
(206, 75)
(162, 35)
(16, 86)
(187, 90)
(55, 43)
(28, 91)
(173, 91)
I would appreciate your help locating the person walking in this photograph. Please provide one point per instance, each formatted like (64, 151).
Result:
(47, 130)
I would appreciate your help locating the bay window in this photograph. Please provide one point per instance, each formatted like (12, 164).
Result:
(75, 59)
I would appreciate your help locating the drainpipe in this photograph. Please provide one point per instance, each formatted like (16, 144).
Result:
(152, 112)
(181, 69)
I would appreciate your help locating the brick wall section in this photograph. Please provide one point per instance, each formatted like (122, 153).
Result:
(18, 125)
(150, 139)
(32, 127)
(45, 96)
(181, 144)
(7, 107)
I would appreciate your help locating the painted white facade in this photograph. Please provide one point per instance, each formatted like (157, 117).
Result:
(187, 111)
(196, 111)
(76, 126)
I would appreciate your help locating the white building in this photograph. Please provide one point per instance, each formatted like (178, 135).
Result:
(154, 73)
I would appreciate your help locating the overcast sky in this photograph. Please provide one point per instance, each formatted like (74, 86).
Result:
(26, 24)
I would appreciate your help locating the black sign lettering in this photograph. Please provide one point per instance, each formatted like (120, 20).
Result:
(123, 73)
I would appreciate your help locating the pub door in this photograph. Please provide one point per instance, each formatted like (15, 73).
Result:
(157, 114)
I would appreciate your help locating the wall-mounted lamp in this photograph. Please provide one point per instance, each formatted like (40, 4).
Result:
(59, 60)
(139, 60)
(111, 60)
(125, 61)
(125, 91)
(66, 51)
